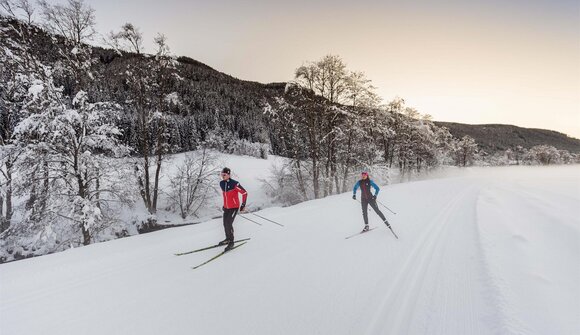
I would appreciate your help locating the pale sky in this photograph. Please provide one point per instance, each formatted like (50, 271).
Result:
(463, 61)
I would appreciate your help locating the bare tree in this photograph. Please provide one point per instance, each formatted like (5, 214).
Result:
(327, 77)
(128, 39)
(360, 92)
(307, 75)
(335, 74)
(75, 20)
(18, 9)
(191, 184)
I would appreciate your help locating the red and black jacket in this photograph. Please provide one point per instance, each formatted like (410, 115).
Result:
(230, 191)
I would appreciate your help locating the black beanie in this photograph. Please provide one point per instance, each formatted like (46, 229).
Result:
(226, 170)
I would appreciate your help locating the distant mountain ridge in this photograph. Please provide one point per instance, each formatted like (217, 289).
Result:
(498, 137)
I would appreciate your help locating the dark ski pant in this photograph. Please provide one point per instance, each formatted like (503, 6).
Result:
(229, 216)
(365, 205)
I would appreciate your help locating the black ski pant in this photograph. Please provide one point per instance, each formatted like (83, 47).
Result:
(229, 216)
(365, 205)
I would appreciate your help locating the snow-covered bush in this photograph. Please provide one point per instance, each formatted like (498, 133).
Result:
(542, 154)
(231, 144)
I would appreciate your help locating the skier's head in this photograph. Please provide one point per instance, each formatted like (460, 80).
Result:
(364, 175)
(226, 173)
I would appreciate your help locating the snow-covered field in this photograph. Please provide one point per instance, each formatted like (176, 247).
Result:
(494, 251)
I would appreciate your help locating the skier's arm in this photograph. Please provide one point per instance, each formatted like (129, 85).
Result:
(376, 187)
(356, 186)
(244, 194)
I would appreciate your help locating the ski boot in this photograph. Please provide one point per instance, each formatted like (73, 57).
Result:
(366, 228)
(229, 247)
(224, 242)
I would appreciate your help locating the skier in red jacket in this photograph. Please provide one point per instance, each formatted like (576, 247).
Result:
(231, 190)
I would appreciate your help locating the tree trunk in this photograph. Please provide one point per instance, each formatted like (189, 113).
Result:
(8, 199)
(158, 165)
(298, 172)
(315, 177)
(86, 235)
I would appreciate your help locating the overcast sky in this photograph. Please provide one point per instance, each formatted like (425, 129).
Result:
(464, 61)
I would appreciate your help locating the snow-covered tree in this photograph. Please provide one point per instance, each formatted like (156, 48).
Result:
(69, 147)
(542, 154)
(465, 150)
(16, 77)
(63, 149)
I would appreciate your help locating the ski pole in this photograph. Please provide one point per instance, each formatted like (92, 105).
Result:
(279, 224)
(386, 207)
(392, 231)
(259, 224)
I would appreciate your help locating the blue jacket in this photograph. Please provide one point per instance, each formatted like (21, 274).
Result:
(365, 188)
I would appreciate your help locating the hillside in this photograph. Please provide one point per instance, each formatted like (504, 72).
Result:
(465, 263)
(497, 137)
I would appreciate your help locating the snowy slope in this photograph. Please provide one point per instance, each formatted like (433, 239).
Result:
(493, 252)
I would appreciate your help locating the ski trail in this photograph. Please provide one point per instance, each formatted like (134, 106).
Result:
(437, 281)
(548, 235)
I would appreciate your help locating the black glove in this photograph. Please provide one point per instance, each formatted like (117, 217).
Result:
(354, 197)
(242, 207)
(374, 197)
(223, 209)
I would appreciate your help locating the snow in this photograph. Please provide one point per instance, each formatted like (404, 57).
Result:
(491, 251)
(172, 98)
(35, 89)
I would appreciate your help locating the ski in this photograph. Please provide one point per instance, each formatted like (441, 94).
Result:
(359, 233)
(218, 255)
(207, 248)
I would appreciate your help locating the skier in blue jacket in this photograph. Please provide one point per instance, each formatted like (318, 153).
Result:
(367, 198)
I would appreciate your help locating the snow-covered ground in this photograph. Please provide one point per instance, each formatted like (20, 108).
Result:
(494, 251)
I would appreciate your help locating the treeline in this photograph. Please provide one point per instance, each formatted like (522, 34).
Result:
(536, 155)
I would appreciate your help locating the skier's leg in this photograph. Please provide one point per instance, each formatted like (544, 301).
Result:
(231, 237)
(226, 222)
(229, 215)
(373, 204)
(365, 206)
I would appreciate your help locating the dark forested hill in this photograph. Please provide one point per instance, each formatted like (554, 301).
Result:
(495, 137)
(206, 102)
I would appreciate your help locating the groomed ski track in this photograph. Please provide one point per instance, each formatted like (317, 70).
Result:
(461, 265)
